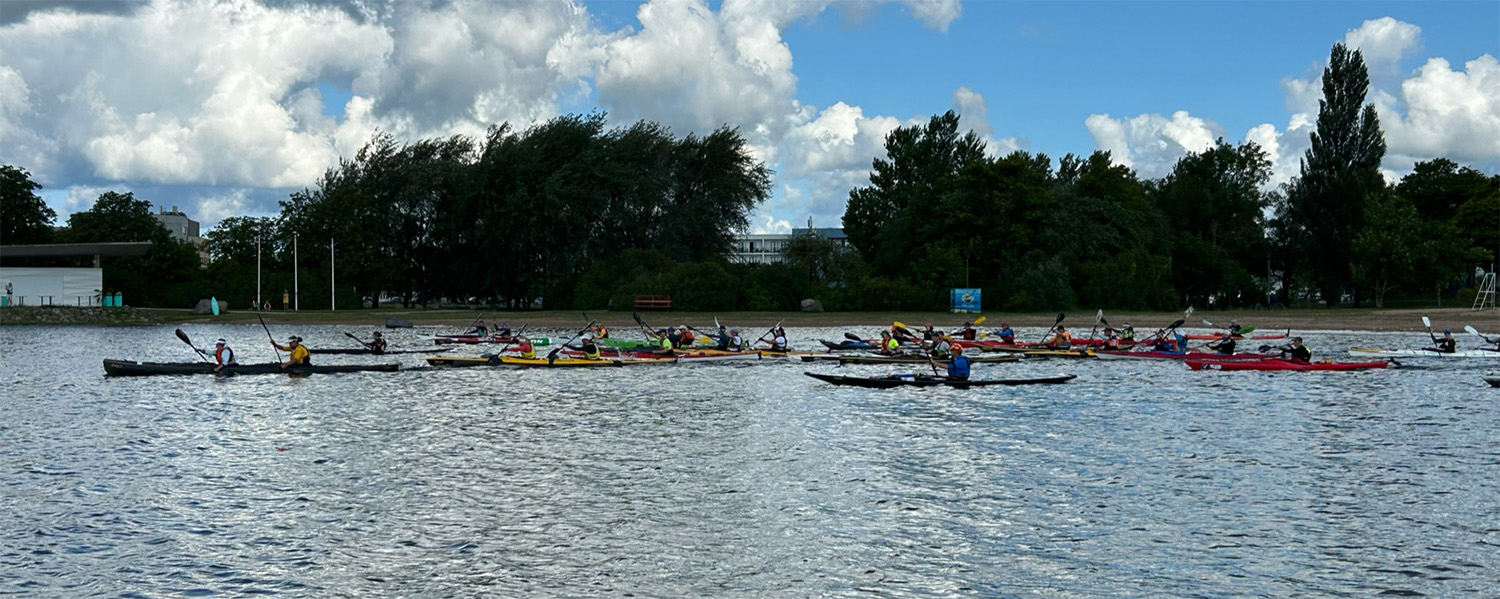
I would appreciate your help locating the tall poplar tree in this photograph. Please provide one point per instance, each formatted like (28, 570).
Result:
(1324, 209)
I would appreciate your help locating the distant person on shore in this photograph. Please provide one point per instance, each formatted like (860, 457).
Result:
(223, 356)
(297, 354)
(286, 300)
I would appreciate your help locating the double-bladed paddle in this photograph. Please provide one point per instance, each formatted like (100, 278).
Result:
(1060, 317)
(552, 355)
(183, 336)
(357, 339)
(268, 336)
(1098, 318)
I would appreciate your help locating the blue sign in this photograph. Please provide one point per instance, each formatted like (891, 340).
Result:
(965, 300)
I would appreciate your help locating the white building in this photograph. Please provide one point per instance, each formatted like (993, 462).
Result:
(182, 227)
(769, 248)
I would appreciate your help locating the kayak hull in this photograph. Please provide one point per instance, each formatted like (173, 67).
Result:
(1367, 352)
(920, 360)
(931, 381)
(134, 368)
(1164, 355)
(1211, 336)
(1277, 364)
(360, 351)
(580, 362)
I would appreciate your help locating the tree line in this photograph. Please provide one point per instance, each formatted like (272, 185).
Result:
(571, 213)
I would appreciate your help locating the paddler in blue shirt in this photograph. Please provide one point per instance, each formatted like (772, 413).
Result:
(1006, 335)
(958, 363)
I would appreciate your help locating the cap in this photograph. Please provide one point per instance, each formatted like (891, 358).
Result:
(1447, 330)
(1004, 324)
(219, 342)
(956, 347)
(294, 338)
(1125, 325)
(734, 331)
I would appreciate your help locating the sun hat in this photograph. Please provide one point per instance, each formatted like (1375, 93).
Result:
(220, 342)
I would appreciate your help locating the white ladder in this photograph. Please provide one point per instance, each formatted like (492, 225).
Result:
(1486, 296)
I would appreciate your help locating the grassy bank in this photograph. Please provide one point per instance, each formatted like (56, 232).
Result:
(1405, 319)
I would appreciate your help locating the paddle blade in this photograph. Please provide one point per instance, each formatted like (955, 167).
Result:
(980, 320)
(1427, 322)
(1175, 324)
(1207, 323)
(899, 324)
(1472, 331)
(1060, 317)
(1099, 317)
(852, 337)
(183, 336)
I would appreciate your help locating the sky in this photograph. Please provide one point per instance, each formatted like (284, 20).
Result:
(223, 108)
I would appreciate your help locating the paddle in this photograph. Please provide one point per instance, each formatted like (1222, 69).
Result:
(642, 324)
(552, 355)
(268, 336)
(183, 336)
(357, 340)
(1060, 316)
(517, 335)
(852, 337)
(1428, 322)
(1475, 332)
(901, 326)
(769, 333)
(1098, 318)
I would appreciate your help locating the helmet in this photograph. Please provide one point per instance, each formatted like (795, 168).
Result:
(376, 334)
(1004, 324)
(956, 347)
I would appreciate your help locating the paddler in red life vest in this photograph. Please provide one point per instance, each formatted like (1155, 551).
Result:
(888, 344)
(1111, 339)
(223, 356)
(1061, 339)
(967, 333)
(523, 347)
(685, 336)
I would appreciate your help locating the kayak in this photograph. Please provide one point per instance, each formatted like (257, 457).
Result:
(690, 356)
(1167, 355)
(920, 360)
(463, 360)
(476, 339)
(890, 382)
(1422, 353)
(1278, 364)
(842, 345)
(1211, 336)
(360, 351)
(1058, 353)
(1494, 381)
(580, 362)
(133, 368)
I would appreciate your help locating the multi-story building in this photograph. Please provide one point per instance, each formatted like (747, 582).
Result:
(182, 227)
(769, 248)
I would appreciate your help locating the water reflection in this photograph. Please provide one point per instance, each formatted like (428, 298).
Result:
(1136, 479)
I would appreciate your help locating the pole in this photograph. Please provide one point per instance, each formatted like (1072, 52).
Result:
(257, 272)
(296, 288)
(332, 288)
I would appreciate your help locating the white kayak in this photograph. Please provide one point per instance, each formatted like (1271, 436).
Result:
(1422, 353)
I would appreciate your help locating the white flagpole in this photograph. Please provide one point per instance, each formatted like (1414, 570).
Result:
(257, 272)
(296, 287)
(332, 288)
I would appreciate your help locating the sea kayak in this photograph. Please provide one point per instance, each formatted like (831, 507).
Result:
(685, 356)
(892, 381)
(476, 339)
(1167, 355)
(580, 362)
(1422, 353)
(1278, 364)
(133, 368)
(920, 359)
(1211, 336)
(1494, 381)
(360, 351)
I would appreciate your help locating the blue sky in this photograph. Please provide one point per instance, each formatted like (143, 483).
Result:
(230, 106)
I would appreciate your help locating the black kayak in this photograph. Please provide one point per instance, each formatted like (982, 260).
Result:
(133, 368)
(846, 344)
(360, 351)
(889, 382)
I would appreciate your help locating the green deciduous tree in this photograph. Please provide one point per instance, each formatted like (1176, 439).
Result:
(169, 273)
(24, 217)
(1213, 200)
(1324, 207)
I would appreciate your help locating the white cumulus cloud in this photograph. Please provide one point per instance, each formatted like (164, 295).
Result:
(1152, 143)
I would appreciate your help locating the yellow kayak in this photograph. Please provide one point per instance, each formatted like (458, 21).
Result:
(580, 362)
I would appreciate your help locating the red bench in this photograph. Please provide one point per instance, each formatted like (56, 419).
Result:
(653, 302)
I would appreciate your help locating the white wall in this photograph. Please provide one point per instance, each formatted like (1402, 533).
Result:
(60, 286)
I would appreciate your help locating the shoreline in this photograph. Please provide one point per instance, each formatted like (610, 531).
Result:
(1313, 319)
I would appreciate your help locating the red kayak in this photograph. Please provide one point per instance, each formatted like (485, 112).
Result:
(1167, 355)
(1278, 364)
(1210, 336)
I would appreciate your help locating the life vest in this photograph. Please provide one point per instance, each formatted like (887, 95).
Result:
(221, 352)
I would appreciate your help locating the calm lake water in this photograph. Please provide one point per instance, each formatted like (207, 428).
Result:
(1138, 479)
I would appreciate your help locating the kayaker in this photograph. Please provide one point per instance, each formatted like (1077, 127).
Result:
(1061, 338)
(479, 329)
(664, 343)
(941, 347)
(1296, 351)
(1447, 344)
(778, 340)
(1234, 327)
(1006, 335)
(736, 343)
(1127, 334)
(685, 336)
(297, 353)
(223, 356)
(590, 351)
(599, 331)
(503, 333)
(376, 344)
(524, 347)
(1111, 339)
(1225, 345)
(968, 333)
(888, 344)
(958, 363)
(928, 334)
